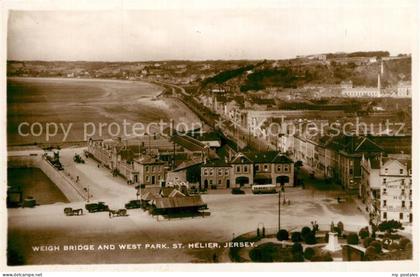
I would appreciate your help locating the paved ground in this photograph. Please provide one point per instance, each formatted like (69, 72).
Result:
(230, 215)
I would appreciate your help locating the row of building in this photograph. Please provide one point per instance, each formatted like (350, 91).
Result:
(200, 160)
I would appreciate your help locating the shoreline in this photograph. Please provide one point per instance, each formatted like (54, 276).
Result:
(172, 107)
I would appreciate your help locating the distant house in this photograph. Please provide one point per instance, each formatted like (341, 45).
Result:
(216, 174)
(404, 89)
(187, 172)
(152, 172)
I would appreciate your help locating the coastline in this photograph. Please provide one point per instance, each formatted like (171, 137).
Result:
(154, 97)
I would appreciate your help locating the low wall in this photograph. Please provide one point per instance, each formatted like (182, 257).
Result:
(72, 192)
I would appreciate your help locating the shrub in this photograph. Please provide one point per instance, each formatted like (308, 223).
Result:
(323, 256)
(370, 254)
(394, 247)
(310, 238)
(352, 238)
(282, 235)
(298, 258)
(309, 253)
(296, 237)
(297, 248)
(377, 245)
(409, 247)
(390, 226)
(367, 241)
(259, 255)
(305, 231)
(403, 243)
(364, 233)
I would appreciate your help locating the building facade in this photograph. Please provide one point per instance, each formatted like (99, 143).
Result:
(386, 188)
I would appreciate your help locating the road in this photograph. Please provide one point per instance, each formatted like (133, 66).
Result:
(230, 215)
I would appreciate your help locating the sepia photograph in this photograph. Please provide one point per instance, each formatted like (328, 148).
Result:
(275, 133)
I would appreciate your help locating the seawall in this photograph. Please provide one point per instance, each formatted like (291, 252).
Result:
(72, 192)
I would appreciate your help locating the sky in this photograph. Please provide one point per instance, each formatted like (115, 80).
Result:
(211, 30)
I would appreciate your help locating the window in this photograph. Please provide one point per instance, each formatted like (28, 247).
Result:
(286, 168)
(351, 171)
(384, 181)
(147, 168)
(403, 204)
(386, 170)
(401, 171)
(265, 167)
(403, 192)
(226, 172)
(245, 168)
(384, 191)
(211, 182)
(238, 168)
(411, 204)
(211, 172)
(384, 215)
(147, 178)
(278, 168)
(401, 216)
(384, 203)
(220, 172)
(220, 182)
(257, 167)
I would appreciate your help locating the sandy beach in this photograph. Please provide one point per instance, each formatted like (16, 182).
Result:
(78, 102)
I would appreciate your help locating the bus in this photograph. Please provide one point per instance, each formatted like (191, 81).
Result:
(263, 189)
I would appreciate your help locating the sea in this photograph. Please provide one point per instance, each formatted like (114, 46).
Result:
(54, 110)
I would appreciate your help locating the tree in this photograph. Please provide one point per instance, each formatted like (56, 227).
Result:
(298, 165)
(309, 253)
(377, 245)
(370, 254)
(367, 241)
(297, 248)
(282, 235)
(364, 233)
(353, 239)
(305, 231)
(390, 226)
(403, 243)
(310, 238)
(296, 237)
(340, 228)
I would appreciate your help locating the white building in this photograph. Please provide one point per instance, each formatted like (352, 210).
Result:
(363, 91)
(386, 188)
(404, 89)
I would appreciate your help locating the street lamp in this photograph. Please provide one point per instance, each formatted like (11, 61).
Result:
(279, 206)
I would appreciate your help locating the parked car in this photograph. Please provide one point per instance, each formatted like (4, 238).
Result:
(78, 159)
(97, 207)
(133, 204)
(237, 191)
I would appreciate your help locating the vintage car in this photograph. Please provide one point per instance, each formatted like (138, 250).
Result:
(133, 204)
(237, 191)
(97, 207)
